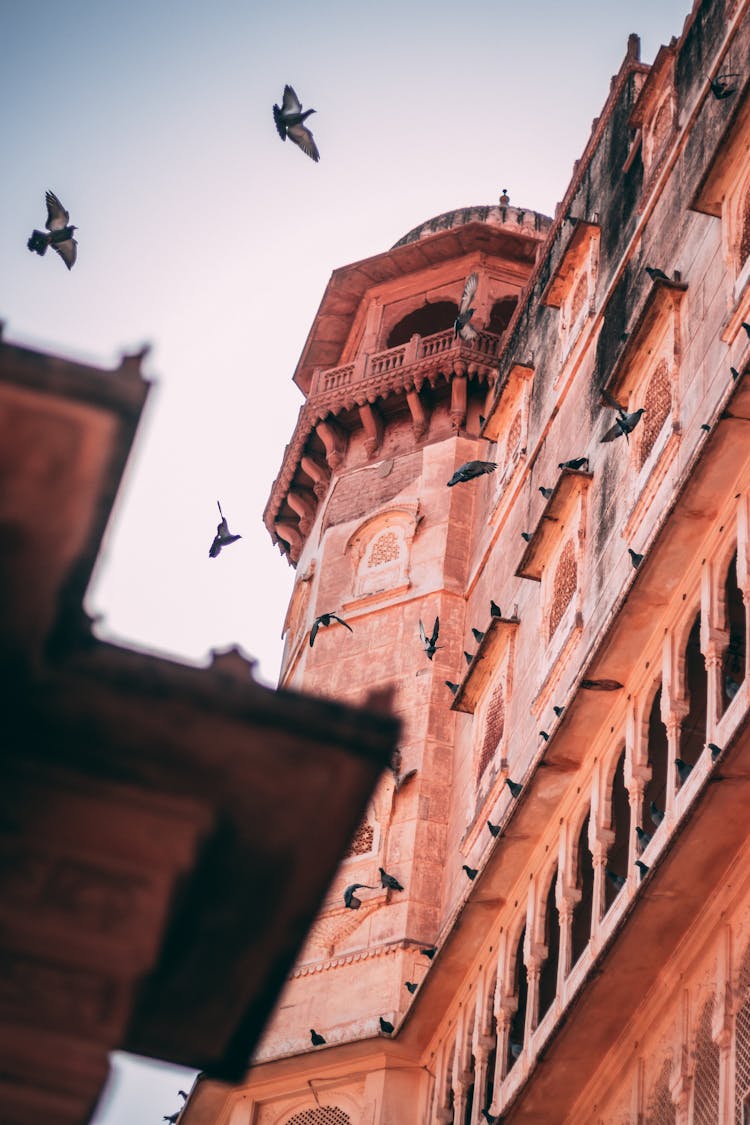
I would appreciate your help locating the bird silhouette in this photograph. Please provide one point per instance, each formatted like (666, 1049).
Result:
(491, 1118)
(471, 872)
(290, 123)
(429, 643)
(546, 492)
(746, 326)
(705, 426)
(616, 880)
(386, 1026)
(644, 838)
(656, 814)
(735, 373)
(470, 470)
(461, 325)
(642, 867)
(172, 1117)
(60, 236)
(389, 881)
(635, 558)
(403, 778)
(683, 770)
(430, 952)
(411, 985)
(223, 537)
(451, 685)
(525, 535)
(351, 902)
(495, 610)
(716, 751)
(576, 463)
(721, 87)
(478, 635)
(468, 657)
(731, 687)
(558, 710)
(543, 734)
(514, 786)
(494, 828)
(625, 422)
(656, 274)
(317, 1040)
(324, 620)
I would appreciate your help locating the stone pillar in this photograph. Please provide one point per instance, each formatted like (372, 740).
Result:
(504, 1014)
(713, 654)
(482, 1048)
(640, 775)
(533, 959)
(599, 846)
(677, 709)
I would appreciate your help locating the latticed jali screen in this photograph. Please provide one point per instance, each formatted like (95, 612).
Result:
(661, 1109)
(321, 1115)
(706, 1084)
(742, 1047)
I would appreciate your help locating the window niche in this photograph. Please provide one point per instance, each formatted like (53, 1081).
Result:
(572, 286)
(507, 424)
(380, 551)
(583, 865)
(734, 655)
(619, 824)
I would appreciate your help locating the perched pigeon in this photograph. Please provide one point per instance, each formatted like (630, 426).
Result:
(494, 828)
(471, 872)
(683, 769)
(642, 867)
(478, 635)
(323, 620)
(616, 880)
(624, 424)
(468, 657)
(389, 881)
(735, 373)
(461, 325)
(731, 687)
(351, 902)
(514, 786)
(452, 686)
(429, 953)
(495, 610)
(576, 464)
(60, 236)
(656, 274)
(705, 426)
(558, 710)
(317, 1040)
(546, 492)
(223, 536)
(516, 1049)
(746, 326)
(526, 536)
(656, 814)
(411, 985)
(544, 734)
(290, 123)
(716, 751)
(429, 643)
(386, 1026)
(470, 470)
(172, 1117)
(490, 1118)
(721, 87)
(644, 838)
(635, 558)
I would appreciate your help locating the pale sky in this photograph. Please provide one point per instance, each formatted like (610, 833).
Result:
(202, 233)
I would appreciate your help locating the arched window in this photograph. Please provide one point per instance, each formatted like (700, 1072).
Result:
(423, 322)
(706, 1082)
(548, 975)
(581, 924)
(693, 734)
(564, 585)
(500, 314)
(521, 989)
(617, 857)
(658, 757)
(733, 664)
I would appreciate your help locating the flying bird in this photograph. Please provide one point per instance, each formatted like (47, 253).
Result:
(411, 985)
(389, 881)
(351, 902)
(721, 87)
(635, 558)
(317, 1040)
(683, 769)
(616, 880)
(223, 536)
(429, 953)
(576, 464)
(386, 1026)
(656, 274)
(323, 620)
(495, 610)
(546, 492)
(429, 643)
(290, 123)
(60, 236)
(494, 828)
(461, 325)
(642, 867)
(470, 470)
(656, 814)
(624, 424)
(478, 635)
(514, 786)
(471, 872)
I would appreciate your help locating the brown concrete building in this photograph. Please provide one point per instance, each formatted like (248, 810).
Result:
(156, 873)
(592, 965)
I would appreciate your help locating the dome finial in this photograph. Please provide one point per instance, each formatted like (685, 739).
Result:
(504, 198)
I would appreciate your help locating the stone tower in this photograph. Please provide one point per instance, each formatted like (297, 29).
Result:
(394, 403)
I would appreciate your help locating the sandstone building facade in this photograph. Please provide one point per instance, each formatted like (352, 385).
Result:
(597, 966)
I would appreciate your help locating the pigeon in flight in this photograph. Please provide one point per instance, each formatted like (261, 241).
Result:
(389, 881)
(317, 1040)
(429, 643)
(60, 236)
(461, 325)
(494, 828)
(625, 423)
(323, 620)
(223, 536)
(351, 902)
(721, 87)
(386, 1026)
(576, 464)
(514, 786)
(471, 470)
(290, 123)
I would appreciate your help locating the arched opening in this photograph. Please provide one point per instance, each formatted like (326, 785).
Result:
(655, 789)
(521, 989)
(548, 974)
(706, 1078)
(500, 314)
(581, 921)
(468, 1108)
(423, 322)
(693, 735)
(617, 857)
(733, 663)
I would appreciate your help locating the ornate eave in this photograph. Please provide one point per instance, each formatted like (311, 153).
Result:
(573, 257)
(570, 484)
(487, 659)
